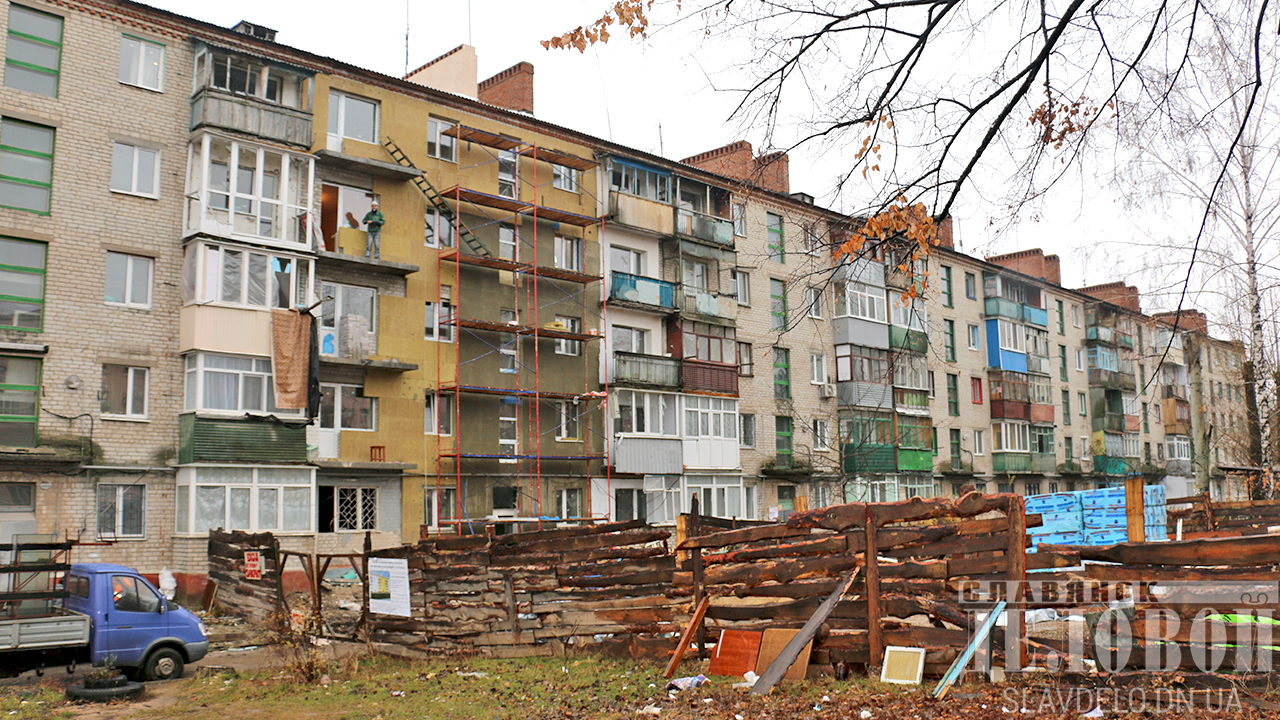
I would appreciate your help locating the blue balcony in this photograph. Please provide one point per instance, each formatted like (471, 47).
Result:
(1035, 316)
(625, 287)
(1000, 307)
(707, 228)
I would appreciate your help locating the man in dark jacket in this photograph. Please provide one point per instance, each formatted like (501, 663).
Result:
(374, 221)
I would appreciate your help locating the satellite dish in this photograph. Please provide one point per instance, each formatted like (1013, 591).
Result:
(73, 383)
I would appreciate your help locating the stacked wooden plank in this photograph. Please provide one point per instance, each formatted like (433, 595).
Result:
(533, 592)
(1201, 517)
(255, 600)
(775, 576)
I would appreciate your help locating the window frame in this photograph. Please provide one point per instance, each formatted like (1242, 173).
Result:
(783, 440)
(747, 427)
(129, 278)
(339, 390)
(189, 483)
(362, 492)
(949, 340)
(863, 301)
(200, 370)
(975, 337)
(42, 271)
(781, 373)
(1012, 336)
(821, 430)
(746, 363)
(975, 390)
(47, 187)
(131, 379)
(979, 442)
(566, 417)
(34, 390)
(197, 274)
(971, 286)
(813, 303)
(135, 152)
(436, 127)
(339, 128)
(562, 176)
(568, 253)
(776, 243)
(953, 394)
(818, 364)
(441, 313)
(947, 298)
(432, 220)
(142, 60)
(118, 510)
(565, 347)
(1083, 401)
(437, 405)
(740, 286)
(777, 304)
(56, 72)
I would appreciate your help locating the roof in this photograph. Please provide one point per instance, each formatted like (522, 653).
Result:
(99, 568)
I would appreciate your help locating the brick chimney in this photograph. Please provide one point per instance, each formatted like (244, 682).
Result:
(1032, 262)
(1191, 320)
(1116, 293)
(946, 236)
(771, 171)
(511, 89)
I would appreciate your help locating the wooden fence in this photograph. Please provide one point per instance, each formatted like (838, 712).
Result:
(256, 599)
(1202, 518)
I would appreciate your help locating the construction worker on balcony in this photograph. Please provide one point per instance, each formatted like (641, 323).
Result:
(374, 221)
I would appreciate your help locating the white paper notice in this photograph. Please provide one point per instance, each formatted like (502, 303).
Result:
(389, 586)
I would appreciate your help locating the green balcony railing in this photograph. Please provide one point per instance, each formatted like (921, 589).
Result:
(1008, 462)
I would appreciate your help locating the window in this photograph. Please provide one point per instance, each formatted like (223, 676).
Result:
(437, 416)
(974, 338)
(439, 229)
(738, 211)
(710, 417)
(909, 314)
(646, 413)
(811, 238)
(817, 368)
(629, 504)
(569, 503)
(859, 300)
(508, 242)
(863, 364)
(777, 304)
(915, 433)
(508, 171)
(635, 179)
(1106, 356)
(740, 286)
(439, 317)
(1083, 402)
(131, 595)
(345, 407)
(34, 52)
(235, 276)
(947, 300)
(954, 437)
(949, 339)
(777, 245)
(568, 253)
(712, 343)
(910, 371)
(124, 391)
(1010, 437)
(1132, 447)
(141, 63)
(440, 145)
(787, 498)
(781, 374)
(695, 276)
(970, 286)
(979, 442)
(567, 427)
(1061, 318)
(1042, 439)
(625, 339)
(17, 497)
(231, 383)
(26, 163)
(1062, 363)
(245, 498)
(353, 117)
(347, 508)
(507, 435)
(933, 386)
(1008, 385)
(746, 430)
(348, 322)
(22, 272)
(975, 390)
(813, 302)
(135, 170)
(953, 395)
(1075, 316)
(564, 178)
(1066, 407)
(128, 280)
(19, 401)
(746, 367)
(1013, 337)
(121, 511)
(782, 432)
(569, 347)
(242, 77)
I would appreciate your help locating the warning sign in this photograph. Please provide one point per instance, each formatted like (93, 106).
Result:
(252, 565)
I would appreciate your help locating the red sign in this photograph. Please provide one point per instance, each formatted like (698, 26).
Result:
(252, 565)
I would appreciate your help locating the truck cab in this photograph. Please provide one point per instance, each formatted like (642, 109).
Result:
(132, 623)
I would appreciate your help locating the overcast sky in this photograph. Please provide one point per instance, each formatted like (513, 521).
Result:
(670, 95)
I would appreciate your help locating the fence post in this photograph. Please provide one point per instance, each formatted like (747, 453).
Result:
(364, 593)
(695, 530)
(1015, 648)
(875, 637)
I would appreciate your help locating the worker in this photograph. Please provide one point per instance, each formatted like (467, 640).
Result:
(374, 221)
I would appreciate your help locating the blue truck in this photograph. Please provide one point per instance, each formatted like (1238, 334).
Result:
(110, 614)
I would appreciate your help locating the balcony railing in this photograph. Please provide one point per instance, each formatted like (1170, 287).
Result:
(909, 459)
(229, 111)
(705, 303)
(1114, 465)
(1043, 462)
(704, 227)
(645, 370)
(1010, 410)
(1042, 413)
(1113, 422)
(1006, 462)
(905, 339)
(1038, 364)
(1112, 379)
(1174, 391)
(204, 439)
(868, 458)
(911, 402)
(709, 377)
(1100, 333)
(639, 289)
(1035, 316)
(1000, 307)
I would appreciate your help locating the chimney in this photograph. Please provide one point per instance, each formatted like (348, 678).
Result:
(737, 160)
(511, 89)
(244, 27)
(1053, 269)
(453, 72)
(1191, 319)
(1031, 262)
(1116, 293)
(945, 237)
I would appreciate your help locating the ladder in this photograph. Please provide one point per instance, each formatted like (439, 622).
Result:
(437, 200)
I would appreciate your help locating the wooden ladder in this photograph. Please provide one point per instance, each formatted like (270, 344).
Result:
(437, 200)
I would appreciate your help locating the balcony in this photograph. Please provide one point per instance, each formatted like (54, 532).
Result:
(901, 338)
(1007, 462)
(710, 305)
(707, 228)
(1114, 465)
(1042, 413)
(640, 290)
(1043, 462)
(1099, 377)
(641, 214)
(1111, 422)
(1038, 364)
(911, 459)
(648, 456)
(1010, 410)
(206, 439)
(1177, 416)
(1132, 423)
(860, 458)
(1035, 316)
(241, 113)
(1170, 392)
(1000, 307)
(634, 369)
(1178, 467)
(1124, 340)
(1100, 333)
(911, 402)
(1070, 467)
(703, 376)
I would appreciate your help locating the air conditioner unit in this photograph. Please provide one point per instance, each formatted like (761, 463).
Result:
(504, 514)
(828, 390)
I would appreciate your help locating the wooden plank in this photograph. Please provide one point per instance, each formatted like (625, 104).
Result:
(586, 542)
(953, 673)
(613, 553)
(828, 544)
(788, 660)
(776, 570)
(725, 538)
(1233, 552)
(736, 653)
(951, 546)
(1017, 556)
(875, 638)
(639, 578)
(532, 536)
(694, 621)
(1121, 573)
(1134, 509)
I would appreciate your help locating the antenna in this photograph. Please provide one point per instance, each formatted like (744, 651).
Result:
(406, 38)
(661, 151)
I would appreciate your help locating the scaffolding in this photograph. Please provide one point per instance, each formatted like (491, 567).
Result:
(527, 279)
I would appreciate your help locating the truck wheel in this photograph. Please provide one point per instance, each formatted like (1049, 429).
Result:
(163, 664)
(130, 691)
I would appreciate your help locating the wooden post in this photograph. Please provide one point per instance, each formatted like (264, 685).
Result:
(695, 529)
(364, 593)
(1017, 577)
(875, 634)
(1135, 509)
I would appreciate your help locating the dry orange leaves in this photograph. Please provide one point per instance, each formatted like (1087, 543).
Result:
(627, 14)
(898, 223)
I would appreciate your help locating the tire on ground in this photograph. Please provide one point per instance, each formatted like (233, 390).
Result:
(127, 691)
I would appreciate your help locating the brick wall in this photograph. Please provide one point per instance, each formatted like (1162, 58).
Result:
(511, 89)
